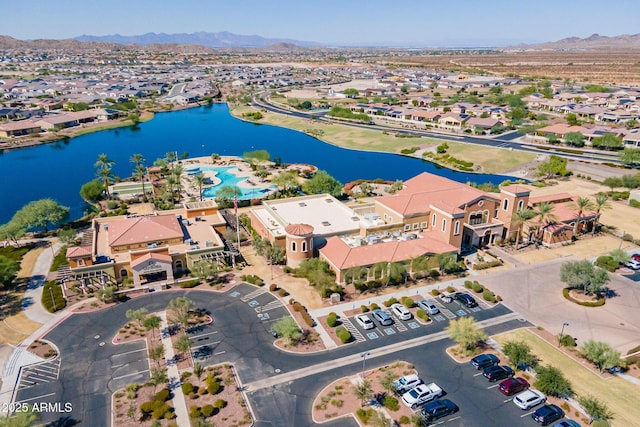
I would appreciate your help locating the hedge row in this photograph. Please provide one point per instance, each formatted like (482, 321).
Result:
(253, 279)
(190, 283)
(600, 302)
(305, 314)
(485, 265)
(49, 289)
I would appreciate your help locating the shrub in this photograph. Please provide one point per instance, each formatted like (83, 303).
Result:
(364, 308)
(390, 302)
(187, 388)
(162, 395)
(551, 380)
(190, 283)
(404, 419)
(283, 293)
(159, 411)
(468, 284)
(422, 315)
(219, 404)
(607, 262)
(297, 306)
(450, 289)
(343, 335)
(598, 303)
(477, 287)
(487, 295)
(331, 321)
(374, 306)
(485, 265)
(146, 407)
(408, 302)
(308, 319)
(567, 340)
(273, 287)
(435, 292)
(362, 415)
(213, 384)
(207, 410)
(195, 412)
(434, 274)
(58, 302)
(391, 403)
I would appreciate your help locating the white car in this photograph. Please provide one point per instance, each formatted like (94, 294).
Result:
(446, 298)
(428, 306)
(634, 264)
(421, 394)
(406, 383)
(529, 398)
(364, 321)
(401, 311)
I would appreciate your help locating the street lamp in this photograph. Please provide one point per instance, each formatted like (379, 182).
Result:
(562, 333)
(53, 300)
(364, 360)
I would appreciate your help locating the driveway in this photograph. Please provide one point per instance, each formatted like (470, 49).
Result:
(536, 293)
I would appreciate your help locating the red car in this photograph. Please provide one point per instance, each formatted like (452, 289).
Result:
(636, 257)
(512, 386)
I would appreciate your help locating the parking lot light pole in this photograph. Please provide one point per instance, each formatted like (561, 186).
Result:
(364, 360)
(562, 333)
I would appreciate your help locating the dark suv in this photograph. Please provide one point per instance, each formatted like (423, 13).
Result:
(547, 414)
(497, 373)
(482, 361)
(438, 409)
(466, 300)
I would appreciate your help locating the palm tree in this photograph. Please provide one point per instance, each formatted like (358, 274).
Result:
(519, 219)
(544, 215)
(601, 203)
(176, 171)
(171, 183)
(104, 165)
(581, 205)
(139, 170)
(171, 157)
(198, 182)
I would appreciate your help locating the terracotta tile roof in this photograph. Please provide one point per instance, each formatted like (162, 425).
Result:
(427, 190)
(516, 189)
(343, 256)
(299, 229)
(556, 197)
(78, 251)
(151, 255)
(143, 229)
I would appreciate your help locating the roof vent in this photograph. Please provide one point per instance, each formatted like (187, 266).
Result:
(326, 223)
(302, 204)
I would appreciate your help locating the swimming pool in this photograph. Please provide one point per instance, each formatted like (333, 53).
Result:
(228, 178)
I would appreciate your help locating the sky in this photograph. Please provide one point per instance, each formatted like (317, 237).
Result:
(408, 23)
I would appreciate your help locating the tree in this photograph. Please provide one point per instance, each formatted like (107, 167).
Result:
(215, 157)
(630, 156)
(13, 230)
(519, 353)
(545, 216)
(519, 219)
(92, 191)
(581, 205)
(287, 328)
(366, 189)
(612, 182)
(466, 333)
(351, 92)
(197, 182)
(158, 376)
(226, 194)
(152, 323)
(608, 141)
(363, 391)
(387, 381)
(42, 214)
(138, 315)
(419, 266)
(256, 157)
(572, 119)
(274, 253)
(551, 380)
(198, 369)
(156, 353)
(630, 181)
(68, 236)
(104, 165)
(183, 343)
(286, 181)
(619, 256)
(204, 269)
(583, 274)
(596, 408)
(180, 307)
(600, 203)
(26, 418)
(575, 139)
(600, 354)
(8, 269)
(555, 166)
(322, 182)
(106, 293)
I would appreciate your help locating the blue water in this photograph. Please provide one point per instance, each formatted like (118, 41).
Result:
(58, 170)
(228, 177)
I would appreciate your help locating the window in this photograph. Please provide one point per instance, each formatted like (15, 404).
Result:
(304, 246)
(293, 247)
(415, 225)
(456, 228)
(444, 224)
(407, 227)
(476, 218)
(81, 262)
(495, 214)
(423, 224)
(433, 222)
(520, 204)
(505, 204)
(124, 273)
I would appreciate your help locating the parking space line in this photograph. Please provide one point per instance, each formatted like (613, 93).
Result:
(493, 386)
(130, 375)
(206, 345)
(132, 351)
(349, 326)
(508, 400)
(37, 397)
(202, 335)
(253, 294)
(269, 306)
(527, 414)
(478, 374)
(220, 352)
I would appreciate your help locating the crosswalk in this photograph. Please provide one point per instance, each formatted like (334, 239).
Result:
(253, 294)
(45, 372)
(355, 333)
(269, 306)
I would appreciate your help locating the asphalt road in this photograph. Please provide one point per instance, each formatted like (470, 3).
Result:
(91, 368)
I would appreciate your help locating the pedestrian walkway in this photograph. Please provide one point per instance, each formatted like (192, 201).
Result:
(179, 404)
(31, 303)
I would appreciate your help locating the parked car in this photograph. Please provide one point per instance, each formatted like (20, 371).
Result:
(381, 317)
(547, 414)
(421, 394)
(428, 306)
(364, 321)
(401, 311)
(529, 399)
(466, 300)
(484, 360)
(446, 298)
(634, 264)
(406, 383)
(437, 409)
(567, 423)
(636, 257)
(511, 386)
(496, 373)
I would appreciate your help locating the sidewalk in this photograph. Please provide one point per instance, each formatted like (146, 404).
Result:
(175, 385)
(31, 304)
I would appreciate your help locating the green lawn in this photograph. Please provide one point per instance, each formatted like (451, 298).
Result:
(491, 160)
(620, 395)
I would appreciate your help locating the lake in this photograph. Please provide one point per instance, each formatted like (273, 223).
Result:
(58, 170)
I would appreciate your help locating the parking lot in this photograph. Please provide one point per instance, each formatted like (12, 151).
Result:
(447, 311)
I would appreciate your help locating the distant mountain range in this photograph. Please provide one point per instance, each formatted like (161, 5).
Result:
(222, 39)
(594, 41)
